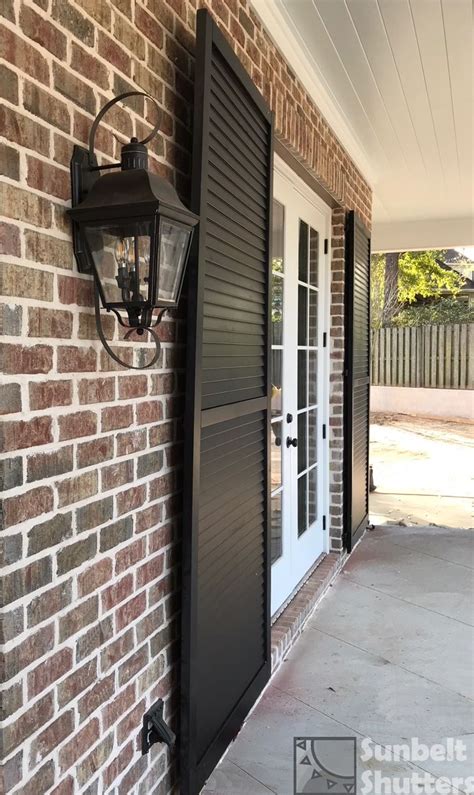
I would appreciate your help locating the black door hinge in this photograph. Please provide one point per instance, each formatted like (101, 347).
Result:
(324, 522)
(326, 245)
(325, 339)
(324, 431)
(155, 729)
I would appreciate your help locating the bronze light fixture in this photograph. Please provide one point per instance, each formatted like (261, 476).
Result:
(131, 232)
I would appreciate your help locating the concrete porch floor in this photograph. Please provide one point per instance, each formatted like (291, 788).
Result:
(389, 654)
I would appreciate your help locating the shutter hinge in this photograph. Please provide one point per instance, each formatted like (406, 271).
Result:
(326, 245)
(325, 339)
(324, 522)
(324, 430)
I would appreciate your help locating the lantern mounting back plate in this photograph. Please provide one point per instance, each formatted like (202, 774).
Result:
(82, 180)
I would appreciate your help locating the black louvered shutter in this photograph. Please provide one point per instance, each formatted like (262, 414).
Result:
(225, 660)
(357, 380)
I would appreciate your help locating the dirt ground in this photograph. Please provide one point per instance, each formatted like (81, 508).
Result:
(423, 471)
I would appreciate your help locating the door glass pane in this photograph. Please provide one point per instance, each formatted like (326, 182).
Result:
(302, 495)
(313, 496)
(302, 434)
(313, 317)
(302, 315)
(312, 437)
(276, 454)
(278, 236)
(313, 378)
(277, 534)
(277, 310)
(277, 361)
(313, 257)
(303, 253)
(302, 379)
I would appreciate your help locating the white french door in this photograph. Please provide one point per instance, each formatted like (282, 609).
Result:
(300, 283)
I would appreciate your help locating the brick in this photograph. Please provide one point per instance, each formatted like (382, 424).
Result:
(97, 390)
(129, 556)
(8, 84)
(12, 700)
(11, 549)
(66, 787)
(9, 240)
(132, 776)
(23, 205)
(177, 55)
(45, 465)
(22, 131)
(16, 280)
(76, 360)
(9, 162)
(48, 250)
(128, 725)
(117, 592)
(41, 31)
(120, 704)
(46, 394)
(162, 486)
(71, 19)
(49, 672)
(50, 533)
(51, 738)
(12, 771)
(149, 464)
(150, 571)
(149, 517)
(77, 488)
(131, 442)
(130, 611)
(89, 66)
(114, 54)
(102, 691)
(129, 37)
(78, 745)
(150, 411)
(94, 514)
(116, 475)
(118, 765)
(116, 417)
(132, 386)
(35, 646)
(21, 54)
(20, 582)
(49, 603)
(74, 555)
(95, 452)
(160, 434)
(73, 290)
(162, 383)
(93, 578)
(27, 506)
(95, 637)
(88, 330)
(73, 88)
(130, 499)
(10, 398)
(104, 141)
(78, 618)
(11, 473)
(131, 667)
(151, 676)
(73, 426)
(53, 323)
(12, 624)
(19, 359)
(149, 27)
(98, 11)
(95, 761)
(115, 651)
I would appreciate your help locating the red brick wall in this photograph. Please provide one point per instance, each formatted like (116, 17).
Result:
(90, 453)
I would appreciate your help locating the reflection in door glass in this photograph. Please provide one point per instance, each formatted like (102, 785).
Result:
(278, 247)
(302, 434)
(302, 504)
(313, 257)
(313, 496)
(276, 538)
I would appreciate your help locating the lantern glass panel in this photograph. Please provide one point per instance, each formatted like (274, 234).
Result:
(174, 244)
(121, 253)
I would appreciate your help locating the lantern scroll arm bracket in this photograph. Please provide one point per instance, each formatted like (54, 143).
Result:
(102, 113)
(142, 329)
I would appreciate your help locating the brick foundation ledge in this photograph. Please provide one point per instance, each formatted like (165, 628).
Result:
(290, 623)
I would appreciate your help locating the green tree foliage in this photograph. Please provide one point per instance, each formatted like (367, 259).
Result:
(419, 276)
(442, 310)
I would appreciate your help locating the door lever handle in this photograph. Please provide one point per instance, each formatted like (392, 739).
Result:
(291, 442)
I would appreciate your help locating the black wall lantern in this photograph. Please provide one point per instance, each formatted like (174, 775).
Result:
(131, 231)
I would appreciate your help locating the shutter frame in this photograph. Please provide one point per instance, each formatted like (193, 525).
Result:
(356, 381)
(198, 420)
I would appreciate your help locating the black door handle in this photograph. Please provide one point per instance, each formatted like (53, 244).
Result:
(291, 442)
(289, 417)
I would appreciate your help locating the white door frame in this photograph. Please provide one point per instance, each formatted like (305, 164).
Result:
(300, 553)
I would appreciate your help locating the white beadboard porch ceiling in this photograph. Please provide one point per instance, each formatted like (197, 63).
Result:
(394, 79)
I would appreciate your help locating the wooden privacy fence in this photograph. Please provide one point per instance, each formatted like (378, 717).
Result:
(427, 356)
